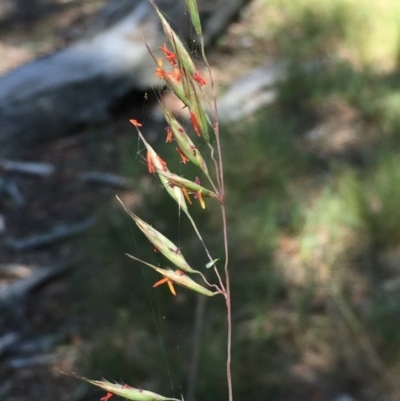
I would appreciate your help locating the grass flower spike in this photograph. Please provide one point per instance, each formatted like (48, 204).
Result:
(194, 15)
(155, 162)
(125, 391)
(169, 282)
(184, 59)
(190, 186)
(179, 278)
(162, 243)
(186, 145)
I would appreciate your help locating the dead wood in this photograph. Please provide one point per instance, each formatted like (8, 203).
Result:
(29, 168)
(107, 179)
(43, 239)
(19, 289)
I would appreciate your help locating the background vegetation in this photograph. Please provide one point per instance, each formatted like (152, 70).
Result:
(313, 190)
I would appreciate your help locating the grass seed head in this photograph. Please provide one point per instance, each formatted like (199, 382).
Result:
(184, 59)
(174, 191)
(179, 278)
(125, 391)
(161, 242)
(186, 184)
(194, 15)
(185, 143)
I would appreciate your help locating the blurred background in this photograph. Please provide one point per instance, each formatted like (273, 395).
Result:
(313, 198)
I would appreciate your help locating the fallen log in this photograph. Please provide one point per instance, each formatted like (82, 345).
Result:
(18, 290)
(29, 168)
(58, 233)
(107, 179)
